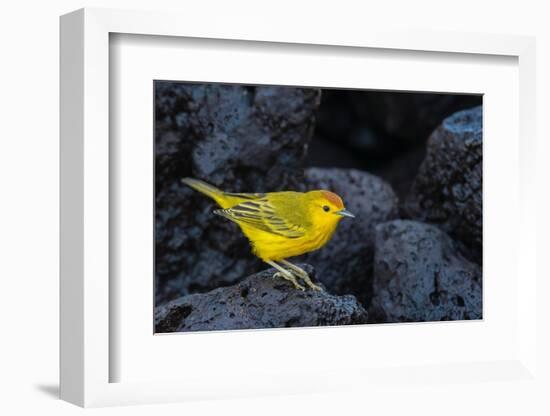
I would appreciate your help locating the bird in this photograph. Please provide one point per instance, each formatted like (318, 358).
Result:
(280, 225)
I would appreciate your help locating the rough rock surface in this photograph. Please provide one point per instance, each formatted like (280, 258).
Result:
(419, 276)
(448, 188)
(345, 263)
(258, 301)
(242, 139)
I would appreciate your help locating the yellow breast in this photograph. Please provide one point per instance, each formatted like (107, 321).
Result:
(273, 247)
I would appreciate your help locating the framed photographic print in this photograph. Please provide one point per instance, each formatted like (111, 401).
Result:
(308, 155)
(247, 214)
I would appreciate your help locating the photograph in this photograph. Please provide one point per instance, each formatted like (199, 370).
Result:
(289, 206)
(239, 208)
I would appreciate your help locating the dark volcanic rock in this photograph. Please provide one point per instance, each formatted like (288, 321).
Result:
(448, 188)
(345, 263)
(259, 301)
(382, 121)
(242, 139)
(419, 276)
(382, 132)
(410, 117)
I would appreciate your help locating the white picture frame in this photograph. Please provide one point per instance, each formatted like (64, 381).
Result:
(86, 357)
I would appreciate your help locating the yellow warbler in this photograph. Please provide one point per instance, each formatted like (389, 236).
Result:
(280, 224)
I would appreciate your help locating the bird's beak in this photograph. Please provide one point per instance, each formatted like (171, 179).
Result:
(345, 213)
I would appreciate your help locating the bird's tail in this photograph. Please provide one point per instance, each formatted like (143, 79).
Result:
(216, 194)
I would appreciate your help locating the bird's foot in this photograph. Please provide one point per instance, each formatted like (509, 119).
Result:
(305, 277)
(302, 274)
(314, 286)
(291, 278)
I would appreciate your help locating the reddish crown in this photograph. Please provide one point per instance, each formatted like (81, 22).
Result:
(334, 199)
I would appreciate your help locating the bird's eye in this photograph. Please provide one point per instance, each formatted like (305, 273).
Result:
(326, 208)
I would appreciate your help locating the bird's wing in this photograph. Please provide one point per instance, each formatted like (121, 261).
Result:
(261, 214)
(245, 196)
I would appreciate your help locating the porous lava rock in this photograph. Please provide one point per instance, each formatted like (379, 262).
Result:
(420, 276)
(448, 188)
(258, 301)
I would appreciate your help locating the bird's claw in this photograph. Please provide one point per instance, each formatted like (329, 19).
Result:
(305, 277)
(293, 281)
(315, 287)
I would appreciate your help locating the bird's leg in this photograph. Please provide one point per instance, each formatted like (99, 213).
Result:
(302, 274)
(285, 274)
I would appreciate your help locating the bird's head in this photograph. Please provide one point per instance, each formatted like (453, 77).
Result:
(327, 207)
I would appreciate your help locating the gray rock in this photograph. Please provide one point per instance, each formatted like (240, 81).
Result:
(448, 188)
(242, 139)
(345, 263)
(419, 276)
(258, 301)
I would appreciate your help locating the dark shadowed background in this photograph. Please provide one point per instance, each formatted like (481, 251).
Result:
(409, 165)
